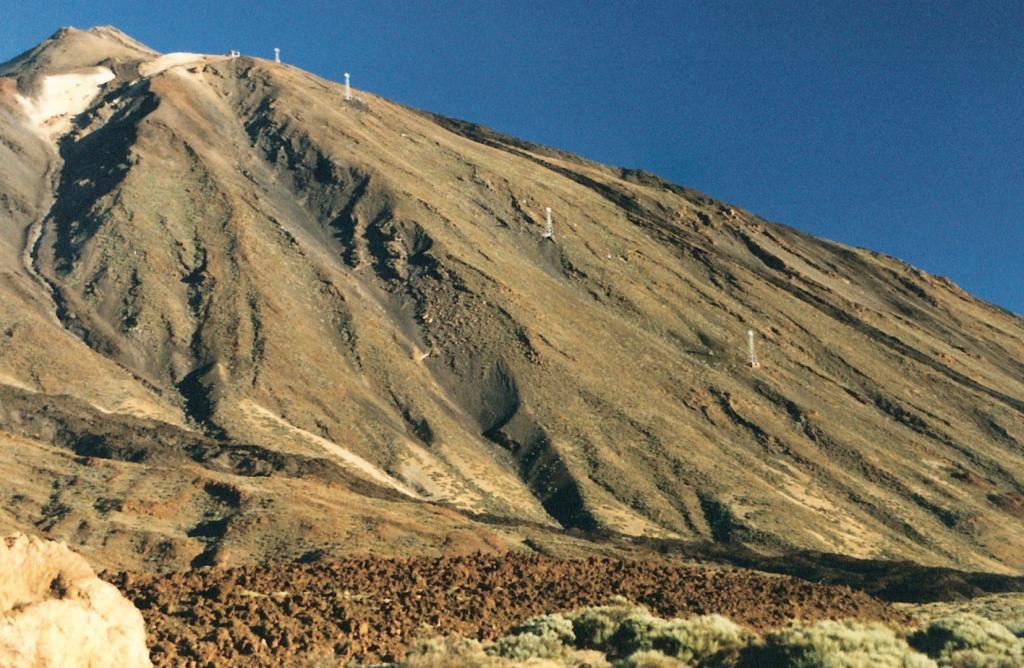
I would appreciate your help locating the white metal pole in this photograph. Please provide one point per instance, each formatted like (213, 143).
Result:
(277, 55)
(752, 361)
(348, 88)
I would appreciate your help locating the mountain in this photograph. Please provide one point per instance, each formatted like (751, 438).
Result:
(244, 317)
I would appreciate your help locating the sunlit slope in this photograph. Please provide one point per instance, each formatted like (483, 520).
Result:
(263, 262)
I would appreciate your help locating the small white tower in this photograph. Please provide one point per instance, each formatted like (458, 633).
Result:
(277, 55)
(348, 88)
(549, 230)
(752, 360)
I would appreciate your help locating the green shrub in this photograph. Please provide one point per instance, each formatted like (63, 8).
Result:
(556, 625)
(966, 640)
(448, 652)
(545, 637)
(1016, 628)
(831, 644)
(1007, 609)
(708, 640)
(635, 633)
(650, 659)
(633, 638)
(594, 627)
(529, 646)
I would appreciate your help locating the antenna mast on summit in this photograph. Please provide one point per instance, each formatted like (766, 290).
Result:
(549, 230)
(752, 361)
(277, 55)
(348, 88)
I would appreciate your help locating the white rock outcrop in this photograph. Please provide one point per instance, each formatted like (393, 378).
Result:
(61, 97)
(54, 611)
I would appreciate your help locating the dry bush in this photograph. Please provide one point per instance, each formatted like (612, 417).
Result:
(831, 644)
(625, 632)
(523, 646)
(448, 652)
(556, 625)
(630, 637)
(708, 640)
(650, 659)
(594, 626)
(1007, 609)
(966, 640)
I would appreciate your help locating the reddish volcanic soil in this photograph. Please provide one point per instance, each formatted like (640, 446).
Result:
(370, 609)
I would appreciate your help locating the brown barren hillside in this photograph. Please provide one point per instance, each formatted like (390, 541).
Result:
(244, 318)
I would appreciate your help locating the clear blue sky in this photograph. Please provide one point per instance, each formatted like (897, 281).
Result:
(896, 126)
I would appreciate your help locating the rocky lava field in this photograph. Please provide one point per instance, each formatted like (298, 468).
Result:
(369, 610)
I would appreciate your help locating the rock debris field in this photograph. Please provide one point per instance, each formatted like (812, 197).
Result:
(369, 610)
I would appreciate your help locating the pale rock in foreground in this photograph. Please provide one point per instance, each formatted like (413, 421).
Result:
(54, 611)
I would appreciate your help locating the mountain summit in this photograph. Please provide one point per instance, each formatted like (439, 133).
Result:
(244, 317)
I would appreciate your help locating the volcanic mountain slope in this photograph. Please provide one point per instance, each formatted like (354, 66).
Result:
(243, 317)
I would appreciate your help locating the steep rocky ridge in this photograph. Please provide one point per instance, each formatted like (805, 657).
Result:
(342, 317)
